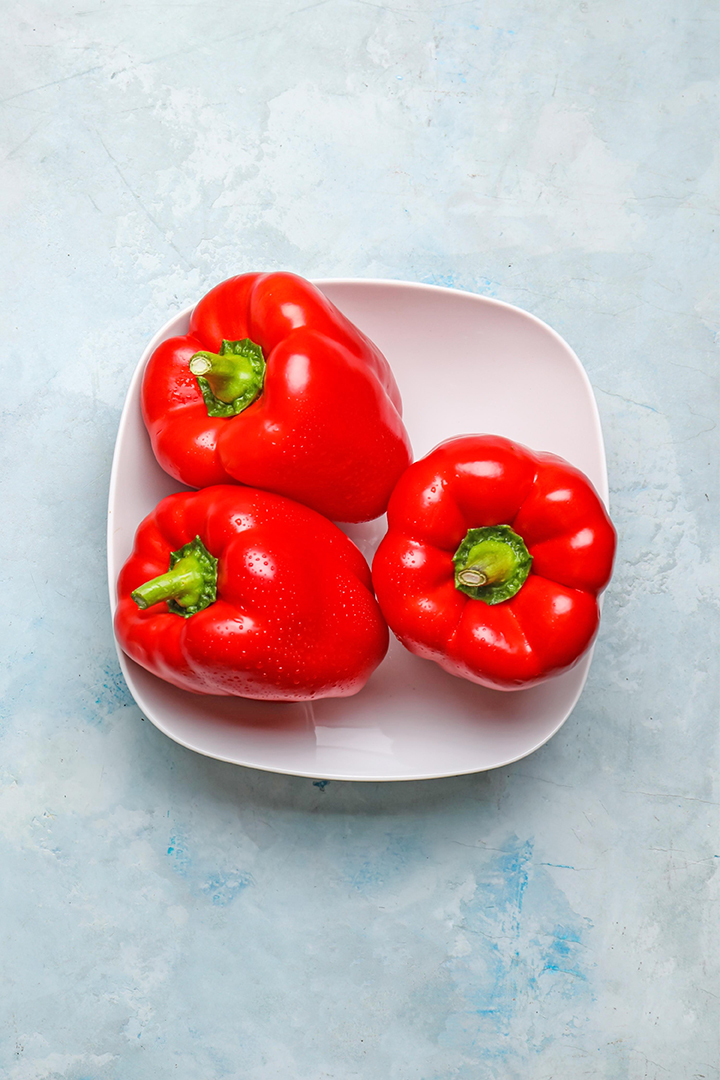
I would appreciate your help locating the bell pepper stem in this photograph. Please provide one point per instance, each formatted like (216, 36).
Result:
(231, 379)
(178, 584)
(220, 371)
(471, 575)
(188, 586)
(491, 564)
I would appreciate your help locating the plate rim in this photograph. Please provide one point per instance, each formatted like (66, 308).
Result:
(603, 491)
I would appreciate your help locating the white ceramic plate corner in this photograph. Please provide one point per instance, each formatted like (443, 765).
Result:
(504, 372)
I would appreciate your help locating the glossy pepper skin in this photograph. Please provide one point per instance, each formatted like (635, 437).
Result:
(325, 428)
(294, 616)
(469, 485)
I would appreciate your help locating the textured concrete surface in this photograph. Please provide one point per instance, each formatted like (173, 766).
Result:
(165, 915)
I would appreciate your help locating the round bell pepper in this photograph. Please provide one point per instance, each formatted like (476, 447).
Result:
(235, 591)
(273, 387)
(493, 561)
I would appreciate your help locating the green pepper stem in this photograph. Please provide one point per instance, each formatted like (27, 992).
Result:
(222, 372)
(183, 582)
(471, 575)
(188, 586)
(491, 564)
(231, 379)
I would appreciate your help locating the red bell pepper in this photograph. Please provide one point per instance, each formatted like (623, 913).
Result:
(273, 387)
(235, 591)
(493, 561)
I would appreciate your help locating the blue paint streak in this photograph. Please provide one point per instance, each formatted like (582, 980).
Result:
(527, 946)
(113, 692)
(223, 888)
(177, 851)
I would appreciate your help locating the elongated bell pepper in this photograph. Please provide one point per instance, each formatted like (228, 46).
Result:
(493, 561)
(241, 592)
(273, 387)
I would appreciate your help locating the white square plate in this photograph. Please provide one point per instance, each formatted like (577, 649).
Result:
(464, 364)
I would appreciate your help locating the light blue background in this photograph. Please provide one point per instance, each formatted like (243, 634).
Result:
(165, 915)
